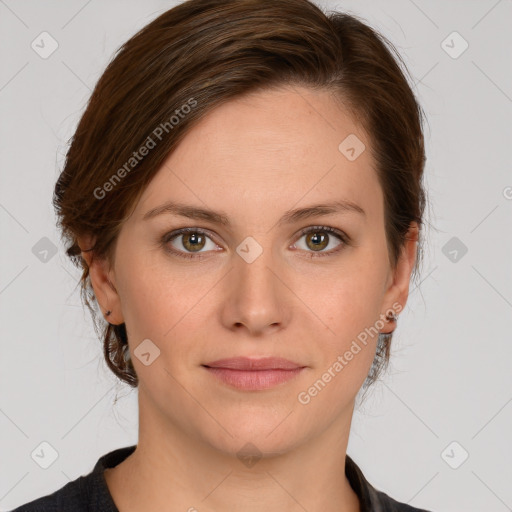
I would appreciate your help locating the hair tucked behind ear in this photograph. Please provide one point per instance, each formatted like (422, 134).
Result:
(202, 53)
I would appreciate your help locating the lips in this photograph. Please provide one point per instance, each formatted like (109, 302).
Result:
(252, 364)
(251, 374)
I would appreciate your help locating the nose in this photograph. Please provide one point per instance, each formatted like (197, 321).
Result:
(256, 298)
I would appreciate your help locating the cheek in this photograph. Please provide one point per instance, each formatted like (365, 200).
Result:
(351, 312)
(350, 348)
(165, 303)
(353, 296)
(347, 347)
(149, 295)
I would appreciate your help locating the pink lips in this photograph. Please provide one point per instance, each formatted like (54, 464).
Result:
(254, 374)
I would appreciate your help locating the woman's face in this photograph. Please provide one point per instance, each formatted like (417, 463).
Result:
(255, 286)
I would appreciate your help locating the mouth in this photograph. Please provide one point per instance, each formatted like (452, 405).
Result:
(251, 374)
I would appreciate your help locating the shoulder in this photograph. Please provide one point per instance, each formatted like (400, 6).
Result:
(388, 504)
(87, 492)
(372, 499)
(71, 497)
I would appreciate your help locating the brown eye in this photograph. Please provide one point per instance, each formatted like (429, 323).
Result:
(193, 241)
(187, 241)
(318, 238)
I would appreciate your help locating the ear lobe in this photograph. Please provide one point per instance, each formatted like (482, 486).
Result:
(102, 281)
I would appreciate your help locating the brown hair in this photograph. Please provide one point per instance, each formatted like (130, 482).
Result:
(200, 54)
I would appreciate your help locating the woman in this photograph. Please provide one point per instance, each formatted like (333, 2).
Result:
(244, 196)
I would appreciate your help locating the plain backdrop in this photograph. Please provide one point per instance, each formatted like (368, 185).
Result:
(435, 432)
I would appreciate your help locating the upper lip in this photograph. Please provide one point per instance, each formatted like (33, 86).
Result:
(247, 363)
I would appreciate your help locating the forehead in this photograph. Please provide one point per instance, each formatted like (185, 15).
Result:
(267, 152)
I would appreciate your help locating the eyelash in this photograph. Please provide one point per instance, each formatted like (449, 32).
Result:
(169, 237)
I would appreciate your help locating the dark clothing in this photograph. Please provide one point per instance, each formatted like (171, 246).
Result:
(90, 493)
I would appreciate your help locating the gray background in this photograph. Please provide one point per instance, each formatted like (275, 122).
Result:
(450, 378)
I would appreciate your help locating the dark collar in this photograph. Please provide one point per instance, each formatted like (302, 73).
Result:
(371, 499)
(99, 495)
(368, 496)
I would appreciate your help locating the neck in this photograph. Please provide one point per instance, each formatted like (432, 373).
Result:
(173, 470)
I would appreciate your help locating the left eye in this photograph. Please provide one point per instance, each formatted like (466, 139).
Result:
(320, 237)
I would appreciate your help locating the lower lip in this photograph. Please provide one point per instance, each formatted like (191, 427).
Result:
(254, 380)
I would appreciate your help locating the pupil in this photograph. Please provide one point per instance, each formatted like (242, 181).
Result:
(318, 239)
(192, 241)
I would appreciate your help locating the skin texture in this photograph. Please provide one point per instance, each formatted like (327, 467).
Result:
(254, 158)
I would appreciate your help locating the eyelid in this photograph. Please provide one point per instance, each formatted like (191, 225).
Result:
(176, 232)
(343, 238)
(333, 231)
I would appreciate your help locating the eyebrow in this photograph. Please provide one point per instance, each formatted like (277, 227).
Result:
(290, 217)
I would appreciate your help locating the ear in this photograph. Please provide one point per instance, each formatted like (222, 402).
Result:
(397, 290)
(103, 282)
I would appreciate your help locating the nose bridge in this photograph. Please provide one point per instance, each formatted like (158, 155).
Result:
(253, 264)
(256, 296)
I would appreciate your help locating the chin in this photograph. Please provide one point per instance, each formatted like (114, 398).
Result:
(256, 433)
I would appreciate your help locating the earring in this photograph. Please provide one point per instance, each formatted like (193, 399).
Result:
(391, 317)
(126, 353)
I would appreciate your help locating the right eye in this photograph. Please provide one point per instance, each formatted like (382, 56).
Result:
(186, 242)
